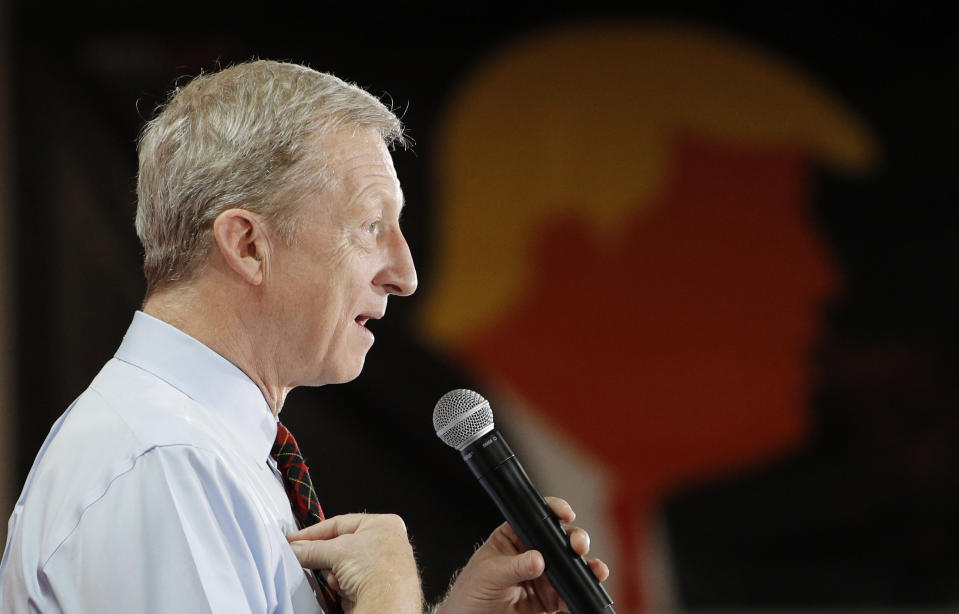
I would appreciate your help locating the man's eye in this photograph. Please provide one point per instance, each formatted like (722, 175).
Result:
(373, 227)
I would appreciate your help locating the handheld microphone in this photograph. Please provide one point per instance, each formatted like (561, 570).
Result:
(463, 420)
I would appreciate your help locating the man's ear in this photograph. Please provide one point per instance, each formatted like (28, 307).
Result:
(241, 237)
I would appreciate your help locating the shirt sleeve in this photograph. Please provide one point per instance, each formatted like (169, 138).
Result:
(173, 534)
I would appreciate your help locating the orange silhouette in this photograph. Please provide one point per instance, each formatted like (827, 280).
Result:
(672, 353)
(623, 247)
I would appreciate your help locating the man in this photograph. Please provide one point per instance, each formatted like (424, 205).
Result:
(268, 209)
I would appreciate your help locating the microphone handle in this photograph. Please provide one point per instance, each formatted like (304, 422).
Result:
(504, 479)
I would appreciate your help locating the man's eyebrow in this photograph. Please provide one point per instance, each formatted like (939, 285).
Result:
(387, 201)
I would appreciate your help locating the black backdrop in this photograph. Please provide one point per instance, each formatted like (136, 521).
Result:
(85, 78)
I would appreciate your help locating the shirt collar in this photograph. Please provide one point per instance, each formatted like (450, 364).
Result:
(203, 375)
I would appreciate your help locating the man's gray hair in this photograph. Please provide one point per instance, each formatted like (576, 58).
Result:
(240, 137)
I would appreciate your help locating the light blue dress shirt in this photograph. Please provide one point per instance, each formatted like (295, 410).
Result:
(154, 492)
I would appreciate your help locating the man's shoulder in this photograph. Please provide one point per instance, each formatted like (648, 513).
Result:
(140, 411)
(124, 414)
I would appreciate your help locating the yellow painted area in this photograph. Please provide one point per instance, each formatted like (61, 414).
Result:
(577, 121)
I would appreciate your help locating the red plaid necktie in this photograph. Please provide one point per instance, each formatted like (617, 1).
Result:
(299, 489)
(296, 478)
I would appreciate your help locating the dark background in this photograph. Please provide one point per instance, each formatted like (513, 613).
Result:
(84, 79)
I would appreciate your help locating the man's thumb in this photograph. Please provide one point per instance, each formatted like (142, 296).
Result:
(313, 554)
(529, 565)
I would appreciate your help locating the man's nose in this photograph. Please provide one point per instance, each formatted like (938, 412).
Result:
(399, 275)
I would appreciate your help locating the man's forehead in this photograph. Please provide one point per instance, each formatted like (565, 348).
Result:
(358, 160)
(355, 149)
(347, 142)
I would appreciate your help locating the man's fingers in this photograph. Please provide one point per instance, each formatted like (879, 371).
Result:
(370, 555)
(561, 508)
(329, 528)
(579, 540)
(313, 554)
(331, 580)
(600, 569)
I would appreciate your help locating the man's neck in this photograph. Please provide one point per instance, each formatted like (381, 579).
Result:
(222, 329)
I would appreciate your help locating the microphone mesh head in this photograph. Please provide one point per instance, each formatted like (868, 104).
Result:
(461, 417)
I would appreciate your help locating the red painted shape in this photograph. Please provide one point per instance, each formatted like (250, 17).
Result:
(677, 350)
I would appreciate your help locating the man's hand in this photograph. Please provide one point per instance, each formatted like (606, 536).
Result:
(502, 577)
(367, 559)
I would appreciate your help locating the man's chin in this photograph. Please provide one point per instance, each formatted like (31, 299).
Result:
(346, 373)
(340, 372)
